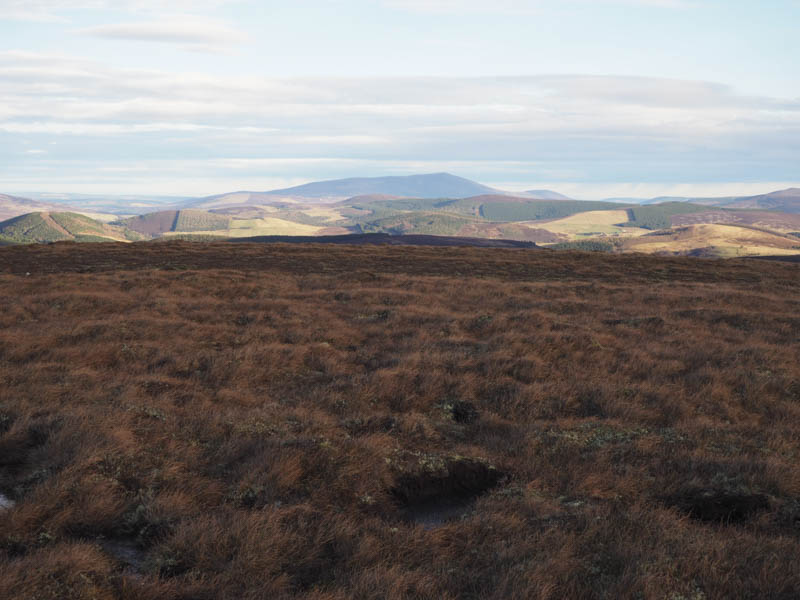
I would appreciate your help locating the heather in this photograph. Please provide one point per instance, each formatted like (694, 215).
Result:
(189, 420)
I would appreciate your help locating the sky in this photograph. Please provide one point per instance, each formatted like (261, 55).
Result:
(592, 98)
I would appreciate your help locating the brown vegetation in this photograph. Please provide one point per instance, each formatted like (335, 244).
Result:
(771, 221)
(187, 420)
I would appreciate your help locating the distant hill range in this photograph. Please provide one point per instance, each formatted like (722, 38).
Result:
(433, 206)
(107, 205)
(41, 227)
(545, 195)
(787, 201)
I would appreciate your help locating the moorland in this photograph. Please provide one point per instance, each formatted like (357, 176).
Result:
(214, 420)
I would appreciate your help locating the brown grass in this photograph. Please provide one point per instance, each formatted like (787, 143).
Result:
(250, 421)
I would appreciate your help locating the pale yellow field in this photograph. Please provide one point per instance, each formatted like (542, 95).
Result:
(590, 223)
(727, 240)
(265, 226)
(232, 199)
(102, 217)
(329, 214)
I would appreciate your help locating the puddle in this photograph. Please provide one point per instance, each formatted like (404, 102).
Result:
(431, 498)
(125, 552)
(6, 503)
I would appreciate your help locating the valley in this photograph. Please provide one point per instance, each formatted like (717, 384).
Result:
(726, 227)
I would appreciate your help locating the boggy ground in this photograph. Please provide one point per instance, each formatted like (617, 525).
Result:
(217, 421)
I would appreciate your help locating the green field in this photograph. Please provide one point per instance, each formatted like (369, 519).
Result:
(198, 220)
(419, 223)
(658, 216)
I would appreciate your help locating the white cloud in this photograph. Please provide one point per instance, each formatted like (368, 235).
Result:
(547, 128)
(56, 10)
(183, 30)
(518, 6)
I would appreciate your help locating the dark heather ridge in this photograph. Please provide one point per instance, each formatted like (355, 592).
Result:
(385, 238)
(255, 421)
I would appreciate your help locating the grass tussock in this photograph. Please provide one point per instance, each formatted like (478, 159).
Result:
(337, 423)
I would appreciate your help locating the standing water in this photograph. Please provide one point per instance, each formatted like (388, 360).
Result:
(5, 503)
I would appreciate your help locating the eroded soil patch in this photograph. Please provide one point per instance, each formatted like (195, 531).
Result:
(718, 506)
(445, 491)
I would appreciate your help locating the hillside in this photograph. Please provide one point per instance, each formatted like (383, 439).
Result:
(779, 222)
(297, 421)
(183, 221)
(14, 206)
(787, 201)
(715, 240)
(659, 216)
(53, 227)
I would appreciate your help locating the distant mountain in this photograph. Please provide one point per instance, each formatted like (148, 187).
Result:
(436, 185)
(546, 195)
(59, 226)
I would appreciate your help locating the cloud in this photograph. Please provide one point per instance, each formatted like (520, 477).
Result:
(518, 6)
(183, 30)
(56, 10)
(588, 129)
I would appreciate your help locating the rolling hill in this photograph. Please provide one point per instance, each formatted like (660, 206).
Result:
(64, 226)
(384, 205)
(785, 201)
